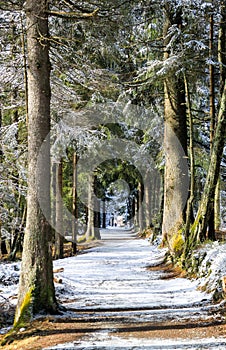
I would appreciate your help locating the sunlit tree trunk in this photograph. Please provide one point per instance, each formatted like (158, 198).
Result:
(189, 212)
(92, 231)
(140, 207)
(198, 230)
(175, 142)
(90, 212)
(136, 209)
(36, 288)
(217, 210)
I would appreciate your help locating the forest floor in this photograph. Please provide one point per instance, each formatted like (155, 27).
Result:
(119, 294)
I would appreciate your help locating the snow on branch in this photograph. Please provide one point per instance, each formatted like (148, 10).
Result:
(75, 15)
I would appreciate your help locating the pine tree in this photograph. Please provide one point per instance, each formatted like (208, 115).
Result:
(36, 290)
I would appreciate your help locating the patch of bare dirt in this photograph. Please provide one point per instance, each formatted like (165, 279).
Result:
(174, 331)
(168, 270)
(82, 247)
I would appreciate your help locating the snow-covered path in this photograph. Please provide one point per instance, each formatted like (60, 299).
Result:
(111, 284)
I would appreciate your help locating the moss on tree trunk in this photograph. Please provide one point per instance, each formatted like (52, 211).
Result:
(199, 227)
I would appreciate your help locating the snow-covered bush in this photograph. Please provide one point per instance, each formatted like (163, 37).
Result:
(212, 269)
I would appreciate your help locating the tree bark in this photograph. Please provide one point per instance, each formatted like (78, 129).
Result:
(104, 213)
(133, 211)
(97, 219)
(147, 197)
(198, 230)
(211, 231)
(17, 243)
(36, 288)
(59, 234)
(222, 46)
(217, 210)
(16, 180)
(140, 206)
(92, 232)
(96, 202)
(175, 143)
(222, 61)
(74, 205)
(1, 157)
(136, 209)
(23, 44)
(189, 213)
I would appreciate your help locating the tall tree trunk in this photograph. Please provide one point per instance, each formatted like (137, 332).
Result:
(211, 231)
(24, 66)
(140, 207)
(17, 243)
(1, 158)
(74, 205)
(36, 288)
(133, 211)
(217, 209)
(104, 213)
(53, 203)
(222, 61)
(222, 46)
(92, 232)
(211, 84)
(198, 230)
(189, 213)
(147, 197)
(15, 119)
(59, 234)
(96, 203)
(136, 209)
(16, 182)
(97, 219)
(175, 144)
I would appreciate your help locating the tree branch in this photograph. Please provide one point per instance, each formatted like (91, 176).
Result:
(75, 15)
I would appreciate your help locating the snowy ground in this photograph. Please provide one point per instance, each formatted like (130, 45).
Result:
(104, 341)
(112, 281)
(114, 275)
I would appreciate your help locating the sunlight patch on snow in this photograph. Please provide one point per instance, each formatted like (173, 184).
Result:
(116, 276)
(104, 341)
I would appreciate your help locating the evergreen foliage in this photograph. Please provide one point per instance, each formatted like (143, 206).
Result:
(110, 62)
